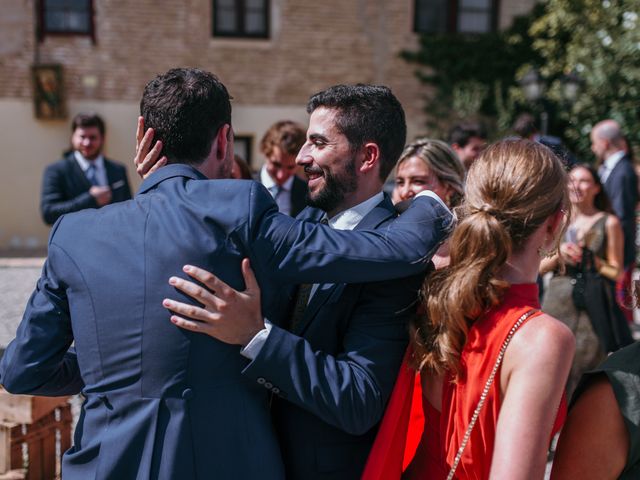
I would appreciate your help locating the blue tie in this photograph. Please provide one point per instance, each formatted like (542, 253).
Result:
(92, 175)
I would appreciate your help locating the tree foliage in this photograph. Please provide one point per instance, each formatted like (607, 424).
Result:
(597, 39)
(600, 40)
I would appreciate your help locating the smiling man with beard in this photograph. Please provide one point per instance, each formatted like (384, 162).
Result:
(332, 357)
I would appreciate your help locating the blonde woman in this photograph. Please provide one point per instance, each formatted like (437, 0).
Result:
(428, 164)
(484, 350)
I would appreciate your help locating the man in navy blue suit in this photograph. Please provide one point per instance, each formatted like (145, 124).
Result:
(620, 181)
(84, 178)
(162, 402)
(332, 362)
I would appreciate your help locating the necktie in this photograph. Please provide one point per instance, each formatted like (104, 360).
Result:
(302, 297)
(92, 175)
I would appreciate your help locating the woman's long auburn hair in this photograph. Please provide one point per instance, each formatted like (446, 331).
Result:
(511, 190)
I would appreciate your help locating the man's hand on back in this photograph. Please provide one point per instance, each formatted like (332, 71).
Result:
(228, 315)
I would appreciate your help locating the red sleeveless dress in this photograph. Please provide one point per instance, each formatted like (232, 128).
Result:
(414, 432)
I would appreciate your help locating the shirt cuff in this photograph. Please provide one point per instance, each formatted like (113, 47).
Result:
(252, 349)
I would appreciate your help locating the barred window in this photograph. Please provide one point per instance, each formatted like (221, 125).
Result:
(241, 18)
(456, 16)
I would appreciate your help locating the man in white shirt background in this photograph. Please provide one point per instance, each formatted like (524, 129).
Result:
(83, 178)
(280, 145)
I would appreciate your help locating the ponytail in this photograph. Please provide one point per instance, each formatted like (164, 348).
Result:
(512, 189)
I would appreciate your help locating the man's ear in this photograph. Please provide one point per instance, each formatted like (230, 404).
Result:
(370, 157)
(223, 140)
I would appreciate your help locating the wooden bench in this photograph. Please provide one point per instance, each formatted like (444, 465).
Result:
(34, 432)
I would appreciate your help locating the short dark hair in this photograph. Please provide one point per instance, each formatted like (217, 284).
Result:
(287, 135)
(525, 125)
(461, 133)
(85, 120)
(367, 113)
(185, 107)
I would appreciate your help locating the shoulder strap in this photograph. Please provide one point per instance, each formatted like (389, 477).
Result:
(485, 391)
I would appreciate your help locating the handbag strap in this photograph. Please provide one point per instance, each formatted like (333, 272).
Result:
(485, 391)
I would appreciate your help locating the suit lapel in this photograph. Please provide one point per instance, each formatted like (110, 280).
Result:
(79, 178)
(111, 172)
(381, 213)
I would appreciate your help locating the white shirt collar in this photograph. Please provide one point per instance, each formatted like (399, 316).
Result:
(84, 163)
(269, 183)
(612, 160)
(350, 218)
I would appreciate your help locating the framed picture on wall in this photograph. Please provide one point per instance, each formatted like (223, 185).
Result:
(48, 92)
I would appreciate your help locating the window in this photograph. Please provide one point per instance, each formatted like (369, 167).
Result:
(66, 17)
(243, 146)
(241, 18)
(460, 16)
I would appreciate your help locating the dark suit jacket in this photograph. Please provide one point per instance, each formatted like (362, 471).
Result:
(622, 189)
(162, 402)
(299, 191)
(334, 373)
(65, 187)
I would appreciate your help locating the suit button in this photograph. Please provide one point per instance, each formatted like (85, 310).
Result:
(187, 394)
(275, 390)
(268, 385)
(261, 381)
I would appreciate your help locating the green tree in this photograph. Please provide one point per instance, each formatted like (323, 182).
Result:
(600, 40)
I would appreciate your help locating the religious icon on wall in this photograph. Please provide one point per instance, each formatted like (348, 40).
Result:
(48, 91)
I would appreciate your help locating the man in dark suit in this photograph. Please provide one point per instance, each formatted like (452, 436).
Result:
(280, 145)
(161, 402)
(621, 185)
(84, 178)
(333, 362)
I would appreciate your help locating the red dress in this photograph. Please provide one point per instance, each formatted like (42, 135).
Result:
(404, 433)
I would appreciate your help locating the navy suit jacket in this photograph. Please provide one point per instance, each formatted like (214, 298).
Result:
(65, 187)
(335, 371)
(162, 402)
(622, 189)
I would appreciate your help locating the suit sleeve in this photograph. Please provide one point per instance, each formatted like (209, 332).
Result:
(54, 202)
(348, 390)
(307, 252)
(38, 361)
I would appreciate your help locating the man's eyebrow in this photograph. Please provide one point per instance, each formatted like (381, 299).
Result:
(318, 136)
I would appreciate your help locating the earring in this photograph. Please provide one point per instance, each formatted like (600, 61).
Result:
(544, 253)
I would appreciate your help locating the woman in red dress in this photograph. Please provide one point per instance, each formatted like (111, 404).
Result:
(483, 349)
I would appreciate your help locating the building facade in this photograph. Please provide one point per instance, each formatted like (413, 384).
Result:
(97, 55)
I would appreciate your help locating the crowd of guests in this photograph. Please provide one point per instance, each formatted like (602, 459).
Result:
(489, 376)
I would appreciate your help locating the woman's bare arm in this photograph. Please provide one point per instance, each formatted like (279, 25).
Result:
(594, 443)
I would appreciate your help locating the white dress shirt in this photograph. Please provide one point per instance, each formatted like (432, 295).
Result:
(98, 163)
(283, 199)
